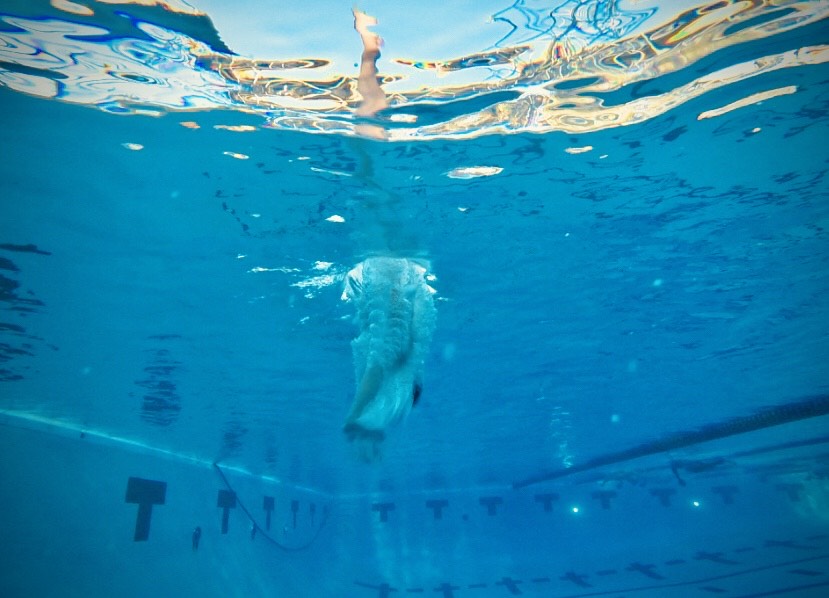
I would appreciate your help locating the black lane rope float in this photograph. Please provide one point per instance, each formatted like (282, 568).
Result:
(257, 529)
(709, 464)
(792, 444)
(767, 417)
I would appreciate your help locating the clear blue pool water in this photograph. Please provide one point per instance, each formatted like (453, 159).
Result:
(623, 210)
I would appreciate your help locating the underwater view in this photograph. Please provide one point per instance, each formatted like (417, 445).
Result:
(454, 299)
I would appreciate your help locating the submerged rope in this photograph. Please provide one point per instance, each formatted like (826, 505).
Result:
(259, 531)
(765, 418)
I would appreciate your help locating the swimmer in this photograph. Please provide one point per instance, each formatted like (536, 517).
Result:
(396, 316)
(395, 310)
(196, 538)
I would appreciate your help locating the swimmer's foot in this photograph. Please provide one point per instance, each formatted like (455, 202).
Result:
(371, 41)
(365, 441)
(354, 431)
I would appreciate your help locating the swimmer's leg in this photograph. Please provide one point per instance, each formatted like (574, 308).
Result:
(374, 99)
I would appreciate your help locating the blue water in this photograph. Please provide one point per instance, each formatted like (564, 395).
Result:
(174, 306)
